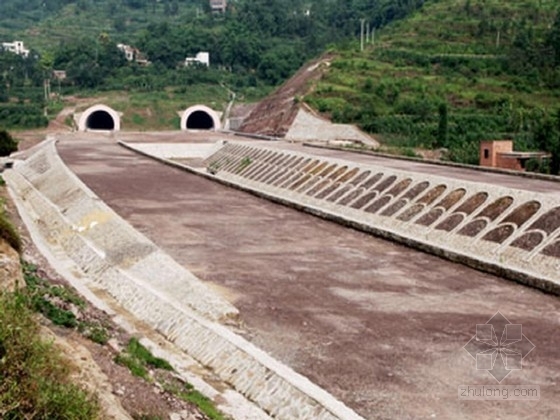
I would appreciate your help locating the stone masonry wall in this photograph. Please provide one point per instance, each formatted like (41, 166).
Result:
(155, 289)
(513, 233)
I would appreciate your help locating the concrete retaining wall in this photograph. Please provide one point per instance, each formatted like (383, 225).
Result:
(310, 127)
(156, 290)
(521, 174)
(100, 242)
(509, 232)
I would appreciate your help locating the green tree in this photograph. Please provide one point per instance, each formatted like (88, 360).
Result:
(174, 7)
(442, 125)
(553, 39)
(7, 143)
(277, 64)
(89, 62)
(547, 138)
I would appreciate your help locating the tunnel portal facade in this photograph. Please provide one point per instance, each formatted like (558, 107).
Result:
(99, 118)
(200, 117)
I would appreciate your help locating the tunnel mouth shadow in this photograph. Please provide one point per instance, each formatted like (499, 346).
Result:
(200, 120)
(200, 117)
(99, 118)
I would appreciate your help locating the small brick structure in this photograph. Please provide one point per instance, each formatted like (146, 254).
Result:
(500, 154)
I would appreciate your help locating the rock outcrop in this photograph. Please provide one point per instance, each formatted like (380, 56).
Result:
(11, 277)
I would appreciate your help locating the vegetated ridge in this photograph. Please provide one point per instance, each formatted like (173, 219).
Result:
(254, 46)
(434, 75)
(451, 74)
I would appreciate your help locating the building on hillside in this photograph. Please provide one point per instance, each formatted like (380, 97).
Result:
(202, 57)
(133, 54)
(218, 6)
(500, 154)
(59, 74)
(16, 47)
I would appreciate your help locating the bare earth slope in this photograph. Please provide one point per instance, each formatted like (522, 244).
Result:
(274, 115)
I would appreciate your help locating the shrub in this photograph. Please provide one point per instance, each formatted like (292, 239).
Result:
(141, 353)
(9, 233)
(35, 379)
(138, 358)
(22, 116)
(7, 143)
(42, 295)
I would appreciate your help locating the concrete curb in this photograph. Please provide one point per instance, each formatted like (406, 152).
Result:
(530, 175)
(274, 387)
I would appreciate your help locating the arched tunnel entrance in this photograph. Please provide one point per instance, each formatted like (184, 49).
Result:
(101, 118)
(200, 120)
(200, 117)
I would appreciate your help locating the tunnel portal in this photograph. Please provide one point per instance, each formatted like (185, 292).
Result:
(99, 118)
(200, 117)
(200, 120)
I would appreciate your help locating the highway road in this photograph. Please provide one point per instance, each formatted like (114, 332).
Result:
(380, 326)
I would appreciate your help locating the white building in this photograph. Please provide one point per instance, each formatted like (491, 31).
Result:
(218, 5)
(129, 52)
(202, 57)
(133, 54)
(59, 74)
(16, 47)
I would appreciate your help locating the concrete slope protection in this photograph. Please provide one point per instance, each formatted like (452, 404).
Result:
(509, 232)
(283, 114)
(308, 126)
(155, 289)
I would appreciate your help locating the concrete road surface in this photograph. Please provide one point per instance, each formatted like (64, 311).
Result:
(380, 326)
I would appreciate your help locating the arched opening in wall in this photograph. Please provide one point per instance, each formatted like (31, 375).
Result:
(200, 120)
(100, 120)
(200, 117)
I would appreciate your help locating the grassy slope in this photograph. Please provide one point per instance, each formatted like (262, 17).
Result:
(158, 110)
(442, 53)
(385, 80)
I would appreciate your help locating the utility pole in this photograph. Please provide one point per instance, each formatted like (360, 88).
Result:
(362, 21)
(45, 89)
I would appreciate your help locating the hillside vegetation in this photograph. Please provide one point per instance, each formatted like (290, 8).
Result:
(433, 74)
(453, 73)
(253, 47)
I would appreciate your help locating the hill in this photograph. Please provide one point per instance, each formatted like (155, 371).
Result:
(271, 38)
(451, 74)
(254, 46)
(432, 75)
